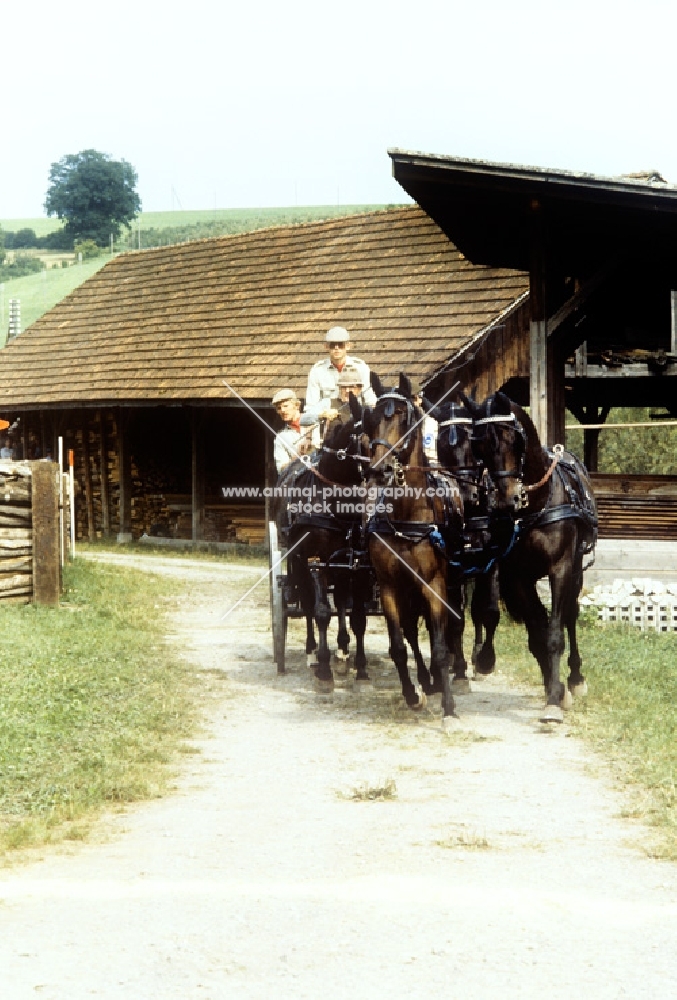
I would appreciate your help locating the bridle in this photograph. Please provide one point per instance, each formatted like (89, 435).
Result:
(400, 454)
(510, 421)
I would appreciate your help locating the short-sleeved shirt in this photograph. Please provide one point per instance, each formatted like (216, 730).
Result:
(323, 381)
(289, 444)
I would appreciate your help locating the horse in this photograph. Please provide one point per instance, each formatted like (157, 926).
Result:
(408, 535)
(484, 538)
(322, 542)
(550, 496)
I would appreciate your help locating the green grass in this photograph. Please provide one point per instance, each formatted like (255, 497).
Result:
(40, 226)
(93, 705)
(629, 716)
(40, 292)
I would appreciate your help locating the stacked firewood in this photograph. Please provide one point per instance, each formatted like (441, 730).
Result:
(16, 543)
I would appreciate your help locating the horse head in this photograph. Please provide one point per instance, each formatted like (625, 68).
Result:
(499, 442)
(455, 450)
(393, 426)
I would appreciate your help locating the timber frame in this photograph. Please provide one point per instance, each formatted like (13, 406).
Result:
(601, 255)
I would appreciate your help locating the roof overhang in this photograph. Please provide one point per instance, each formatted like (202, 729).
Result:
(486, 209)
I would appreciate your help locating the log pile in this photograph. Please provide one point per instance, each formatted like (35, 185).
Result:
(16, 543)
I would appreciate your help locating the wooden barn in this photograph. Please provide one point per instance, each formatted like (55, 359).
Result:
(158, 371)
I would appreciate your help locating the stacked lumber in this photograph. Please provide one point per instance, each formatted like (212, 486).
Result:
(636, 506)
(16, 543)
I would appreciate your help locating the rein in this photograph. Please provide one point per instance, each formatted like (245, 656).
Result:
(558, 451)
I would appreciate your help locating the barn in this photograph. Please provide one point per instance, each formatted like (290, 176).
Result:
(158, 371)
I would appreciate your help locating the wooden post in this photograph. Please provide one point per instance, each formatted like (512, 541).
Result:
(197, 476)
(89, 500)
(46, 541)
(125, 474)
(103, 465)
(538, 340)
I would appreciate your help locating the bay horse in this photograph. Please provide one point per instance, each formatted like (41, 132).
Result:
(407, 537)
(550, 496)
(324, 542)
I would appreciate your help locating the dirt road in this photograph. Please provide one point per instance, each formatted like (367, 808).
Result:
(500, 868)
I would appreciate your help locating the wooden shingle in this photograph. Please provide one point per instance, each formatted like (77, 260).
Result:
(168, 324)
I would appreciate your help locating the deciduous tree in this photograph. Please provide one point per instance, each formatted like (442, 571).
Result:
(93, 194)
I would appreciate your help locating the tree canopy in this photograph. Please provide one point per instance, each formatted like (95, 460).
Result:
(95, 195)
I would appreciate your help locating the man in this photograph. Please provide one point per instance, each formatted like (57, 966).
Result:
(327, 410)
(323, 376)
(291, 441)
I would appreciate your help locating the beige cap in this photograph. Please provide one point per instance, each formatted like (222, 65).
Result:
(337, 335)
(283, 394)
(350, 376)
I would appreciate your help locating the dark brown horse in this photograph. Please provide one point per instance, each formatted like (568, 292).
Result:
(550, 496)
(324, 541)
(407, 538)
(485, 538)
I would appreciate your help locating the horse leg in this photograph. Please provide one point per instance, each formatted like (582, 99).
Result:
(398, 649)
(341, 594)
(439, 651)
(557, 695)
(323, 672)
(524, 605)
(304, 585)
(358, 622)
(455, 630)
(576, 682)
(485, 616)
(410, 632)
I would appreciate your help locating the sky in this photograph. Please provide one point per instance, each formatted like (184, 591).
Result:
(230, 105)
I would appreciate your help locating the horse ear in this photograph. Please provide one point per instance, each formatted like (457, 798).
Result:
(376, 384)
(504, 402)
(355, 407)
(404, 388)
(368, 420)
(475, 409)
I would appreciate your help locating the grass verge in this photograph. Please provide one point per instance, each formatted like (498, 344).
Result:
(93, 705)
(630, 714)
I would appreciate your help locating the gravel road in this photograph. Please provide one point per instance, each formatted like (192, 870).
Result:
(501, 867)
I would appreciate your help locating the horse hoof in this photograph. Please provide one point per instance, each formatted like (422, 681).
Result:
(449, 723)
(421, 703)
(567, 699)
(579, 690)
(311, 660)
(461, 685)
(324, 685)
(341, 663)
(552, 713)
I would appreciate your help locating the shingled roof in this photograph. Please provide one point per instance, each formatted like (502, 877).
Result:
(167, 325)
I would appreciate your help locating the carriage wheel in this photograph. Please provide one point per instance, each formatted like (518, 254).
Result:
(278, 618)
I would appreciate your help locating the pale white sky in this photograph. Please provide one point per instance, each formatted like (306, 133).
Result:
(266, 103)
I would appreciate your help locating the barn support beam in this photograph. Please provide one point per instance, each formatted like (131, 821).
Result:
(538, 336)
(197, 475)
(125, 477)
(86, 461)
(103, 465)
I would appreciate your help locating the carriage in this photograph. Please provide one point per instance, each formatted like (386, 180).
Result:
(284, 598)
